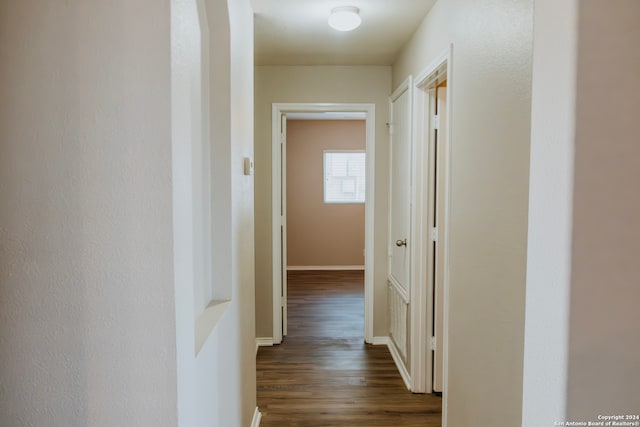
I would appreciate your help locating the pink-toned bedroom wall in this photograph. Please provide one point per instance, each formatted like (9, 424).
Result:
(320, 234)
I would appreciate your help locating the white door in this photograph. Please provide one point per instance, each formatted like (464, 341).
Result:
(440, 152)
(399, 189)
(283, 223)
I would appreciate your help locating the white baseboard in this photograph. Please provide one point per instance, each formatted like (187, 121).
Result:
(263, 342)
(324, 267)
(380, 341)
(257, 416)
(395, 354)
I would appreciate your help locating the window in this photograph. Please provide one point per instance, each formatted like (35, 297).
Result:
(344, 176)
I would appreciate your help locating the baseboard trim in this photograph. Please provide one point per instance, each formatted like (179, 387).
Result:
(324, 267)
(395, 354)
(257, 416)
(263, 342)
(380, 341)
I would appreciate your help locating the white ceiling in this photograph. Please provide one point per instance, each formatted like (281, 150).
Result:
(295, 32)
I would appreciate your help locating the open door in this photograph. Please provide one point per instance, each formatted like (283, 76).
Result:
(440, 182)
(283, 223)
(279, 213)
(430, 228)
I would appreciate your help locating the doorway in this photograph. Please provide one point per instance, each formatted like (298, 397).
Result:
(279, 204)
(432, 166)
(325, 192)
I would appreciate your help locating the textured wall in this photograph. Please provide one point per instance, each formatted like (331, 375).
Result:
(490, 133)
(581, 356)
(216, 386)
(604, 349)
(96, 263)
(87, 332)
(319, 233)
(366, 84)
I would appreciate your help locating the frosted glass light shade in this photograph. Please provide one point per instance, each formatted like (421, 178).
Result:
(345, 18)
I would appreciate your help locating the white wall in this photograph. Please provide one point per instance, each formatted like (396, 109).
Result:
(309, 84)
(87, 332)
(582, 352)
(216, 385)
(490, 134)
(604, 344)
(96, 324)
(550, 213)
(231, 379)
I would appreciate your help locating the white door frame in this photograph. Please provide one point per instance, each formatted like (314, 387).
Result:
(278, 109)
(423, 191)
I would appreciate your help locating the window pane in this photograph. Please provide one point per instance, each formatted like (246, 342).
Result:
(344, 176)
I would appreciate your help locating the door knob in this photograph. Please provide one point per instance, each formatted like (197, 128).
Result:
(401, 242)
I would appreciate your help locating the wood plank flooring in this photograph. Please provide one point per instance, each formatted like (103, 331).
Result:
(323, 374)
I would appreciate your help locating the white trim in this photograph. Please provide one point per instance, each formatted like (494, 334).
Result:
(283, 221)
(380, 341)
(402, 88)
(276, 178)
(447, 261)
(407, 87)
(399, 289)
(395, 355)
(423, 78)
(279, 109)
(397, 359)
(422, 314)
(264, 341)
(420, 318)
(325, 267)
(257, 416)
(369, 223)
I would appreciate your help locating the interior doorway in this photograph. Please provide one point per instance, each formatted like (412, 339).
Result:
(325, 192)
(432, 164)
(437, 221)
(280, 113)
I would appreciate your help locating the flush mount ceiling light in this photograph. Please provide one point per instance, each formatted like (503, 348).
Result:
(345, 18)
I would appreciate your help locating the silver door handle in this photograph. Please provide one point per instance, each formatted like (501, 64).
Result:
(401, 242)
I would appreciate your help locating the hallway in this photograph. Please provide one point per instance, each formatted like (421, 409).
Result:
(323, 374)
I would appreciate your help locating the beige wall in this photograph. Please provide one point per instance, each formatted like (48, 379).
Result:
(365, 84)
(96, 264)
(86, 279)
(490, 131)
(604, 349)
(582, 348)
(318, 233)
(217, 384)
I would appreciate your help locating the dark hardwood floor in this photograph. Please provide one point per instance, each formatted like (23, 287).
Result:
(323, 374)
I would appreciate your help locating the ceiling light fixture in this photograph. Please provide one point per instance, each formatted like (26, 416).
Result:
(345, 18)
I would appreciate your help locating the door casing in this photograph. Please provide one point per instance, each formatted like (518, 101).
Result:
(422, 217)
(279, 210)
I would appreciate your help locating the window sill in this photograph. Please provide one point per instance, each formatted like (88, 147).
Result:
(207, 321)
